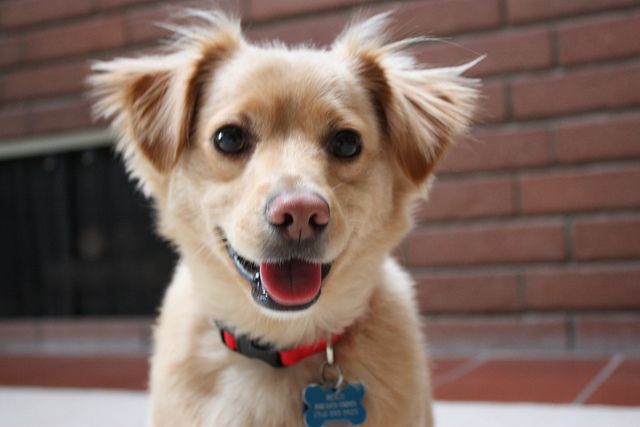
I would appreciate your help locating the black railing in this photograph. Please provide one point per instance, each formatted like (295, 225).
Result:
(77, 239)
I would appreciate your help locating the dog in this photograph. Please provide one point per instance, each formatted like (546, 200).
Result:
(284, 177)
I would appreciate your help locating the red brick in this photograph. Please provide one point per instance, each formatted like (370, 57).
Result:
(72, 371)
(603, 138)
(11, 50)
(58, 116)
(577, 91)
(19, 13)
(142, 25)
(609, 332)
(471, 292)
(530, 10)
(14, 122)
(320, 30)
(112, 4)
(607, 38)
(444, 17)
(145, 24)
(583, 190)
(477, 244)
(96, 329)
(478, 333)
(44, 81)
(584, 288)
(442, 367)
(262, 10)
(493, 105)
(86, 36)
(621, 388)
(469, 198)
(499, 150)
(512, 50)
(607, 238)
(541, 380)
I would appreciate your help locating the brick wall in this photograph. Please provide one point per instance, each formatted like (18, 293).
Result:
(532, 234)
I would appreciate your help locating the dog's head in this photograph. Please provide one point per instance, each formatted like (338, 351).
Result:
(283, 175)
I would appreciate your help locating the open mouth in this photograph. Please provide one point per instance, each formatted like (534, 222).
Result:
(290, 285)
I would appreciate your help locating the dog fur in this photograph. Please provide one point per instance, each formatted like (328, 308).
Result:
(167, 107)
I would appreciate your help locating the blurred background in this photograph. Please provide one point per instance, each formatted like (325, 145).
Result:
(530, 242)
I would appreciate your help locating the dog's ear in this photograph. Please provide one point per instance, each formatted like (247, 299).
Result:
(153, 100)
(420, 110)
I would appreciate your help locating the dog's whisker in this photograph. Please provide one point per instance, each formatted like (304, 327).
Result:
(338, 185)
(200, 249)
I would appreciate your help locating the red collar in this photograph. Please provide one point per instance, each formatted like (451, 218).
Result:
(268, 353)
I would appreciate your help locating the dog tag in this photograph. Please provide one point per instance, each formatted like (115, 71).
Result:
(329, 406)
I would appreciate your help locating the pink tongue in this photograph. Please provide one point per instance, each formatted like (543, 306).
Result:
(292, 282)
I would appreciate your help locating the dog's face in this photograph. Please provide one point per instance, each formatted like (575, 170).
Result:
(284, 174)
(291, 170)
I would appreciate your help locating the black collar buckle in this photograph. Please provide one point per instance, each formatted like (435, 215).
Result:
(251, 348)
(256, 350)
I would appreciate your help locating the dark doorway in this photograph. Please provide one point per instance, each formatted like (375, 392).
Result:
(76, 239)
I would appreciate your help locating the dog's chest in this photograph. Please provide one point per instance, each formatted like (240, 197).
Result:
(263, 396)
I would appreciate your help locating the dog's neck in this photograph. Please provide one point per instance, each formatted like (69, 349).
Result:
(269, 353)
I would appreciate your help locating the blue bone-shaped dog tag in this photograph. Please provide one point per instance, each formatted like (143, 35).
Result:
(326, 404)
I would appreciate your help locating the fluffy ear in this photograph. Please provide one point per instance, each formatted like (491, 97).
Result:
(420, 110)
(153, 100)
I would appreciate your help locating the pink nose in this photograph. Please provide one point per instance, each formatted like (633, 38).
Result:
(299, 215)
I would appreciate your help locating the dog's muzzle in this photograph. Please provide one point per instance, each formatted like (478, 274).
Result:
(289, 285)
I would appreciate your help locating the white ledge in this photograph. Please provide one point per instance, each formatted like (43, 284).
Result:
(51, 144)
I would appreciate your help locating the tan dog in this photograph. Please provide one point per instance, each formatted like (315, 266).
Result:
(284, 177)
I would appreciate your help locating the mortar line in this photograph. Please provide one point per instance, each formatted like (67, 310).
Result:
(599, 379)
(461, 371)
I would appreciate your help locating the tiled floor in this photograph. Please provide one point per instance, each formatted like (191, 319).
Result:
(116, 372)
(611, 380)
(622, 387)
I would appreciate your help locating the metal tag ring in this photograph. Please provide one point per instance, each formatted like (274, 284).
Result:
(338, 370)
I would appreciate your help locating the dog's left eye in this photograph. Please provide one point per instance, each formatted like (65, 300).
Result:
(230, 139)
(345, 144)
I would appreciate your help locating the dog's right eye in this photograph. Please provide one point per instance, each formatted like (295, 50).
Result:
(345, 144)
(230, 139)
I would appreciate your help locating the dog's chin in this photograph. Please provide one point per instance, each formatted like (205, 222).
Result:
(286, 286)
